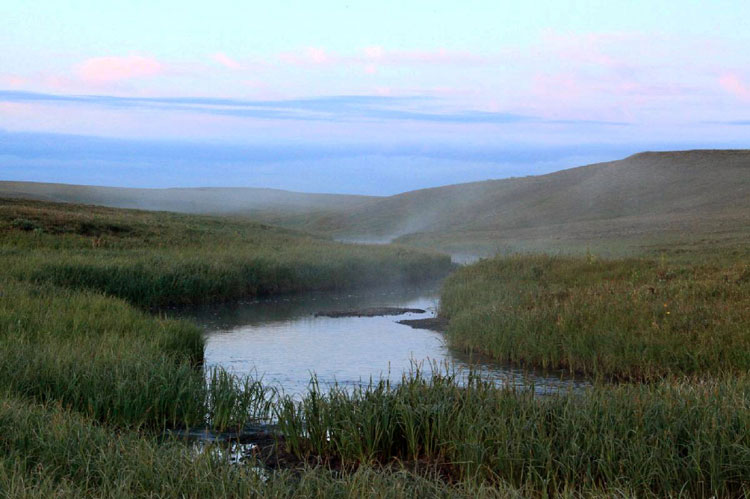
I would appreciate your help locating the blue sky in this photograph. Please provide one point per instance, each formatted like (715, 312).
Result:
(372, 97)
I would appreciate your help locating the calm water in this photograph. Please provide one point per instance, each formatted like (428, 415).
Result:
(283, 341)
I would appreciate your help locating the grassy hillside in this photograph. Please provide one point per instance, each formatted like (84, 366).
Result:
(619, 207)
(648, 198)
(206, 200)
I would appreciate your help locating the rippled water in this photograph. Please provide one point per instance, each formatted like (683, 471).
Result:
(283, 340)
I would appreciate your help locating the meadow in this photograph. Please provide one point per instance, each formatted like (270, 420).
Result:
(91, 373)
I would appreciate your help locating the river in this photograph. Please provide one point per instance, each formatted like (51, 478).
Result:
(285, 342)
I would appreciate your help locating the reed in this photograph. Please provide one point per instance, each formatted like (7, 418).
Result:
(210, 274)
(46, 451)
(115, 363)
(633, 319)
(673, 438)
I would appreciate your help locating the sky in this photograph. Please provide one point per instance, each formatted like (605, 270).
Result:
(361, 97)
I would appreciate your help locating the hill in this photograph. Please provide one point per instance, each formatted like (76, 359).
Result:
(641, 202)
(205, 200)
(645, 199)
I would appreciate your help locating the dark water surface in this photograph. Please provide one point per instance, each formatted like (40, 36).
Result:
(281, 340)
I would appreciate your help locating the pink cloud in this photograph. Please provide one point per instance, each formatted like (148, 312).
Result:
(316, 55)
(383, 91)
(226, 61)
(614, 76)
(440, 56)
(60, 83)
(375, 52)
(113, 69)
(735, 86)
(13, 81)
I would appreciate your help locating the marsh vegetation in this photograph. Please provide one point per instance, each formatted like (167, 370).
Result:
(635, 319)
(90, 376)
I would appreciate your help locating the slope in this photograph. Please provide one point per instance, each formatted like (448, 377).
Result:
(215, 200)
(646, 198)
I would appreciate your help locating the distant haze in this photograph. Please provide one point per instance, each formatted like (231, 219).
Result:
(369, 169)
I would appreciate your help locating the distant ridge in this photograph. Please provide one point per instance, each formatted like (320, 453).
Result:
(216, 200)
(640, 200)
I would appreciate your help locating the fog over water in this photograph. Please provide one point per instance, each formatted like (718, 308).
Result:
(283, 341)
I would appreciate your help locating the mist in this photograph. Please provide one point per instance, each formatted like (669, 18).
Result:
(366, 169)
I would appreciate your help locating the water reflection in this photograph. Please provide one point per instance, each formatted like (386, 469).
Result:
(282, 340)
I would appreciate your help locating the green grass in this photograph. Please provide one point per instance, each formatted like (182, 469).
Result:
(68, 335)
(112, 362)
(632, 319)
(89, 379)
(47, 451)
(88, 382)
(164, 277)
(421, 437)
(673, 438)
(154, 259)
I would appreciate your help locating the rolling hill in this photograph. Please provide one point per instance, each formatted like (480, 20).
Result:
(644, 200)
(206, 200)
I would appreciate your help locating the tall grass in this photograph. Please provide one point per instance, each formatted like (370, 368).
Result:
(46, 451)
(153, 259)
(196, 275)
(64, 338)
(674, 438)
(633, 319)
(88, 381)
(114, 363)
(68, 452)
